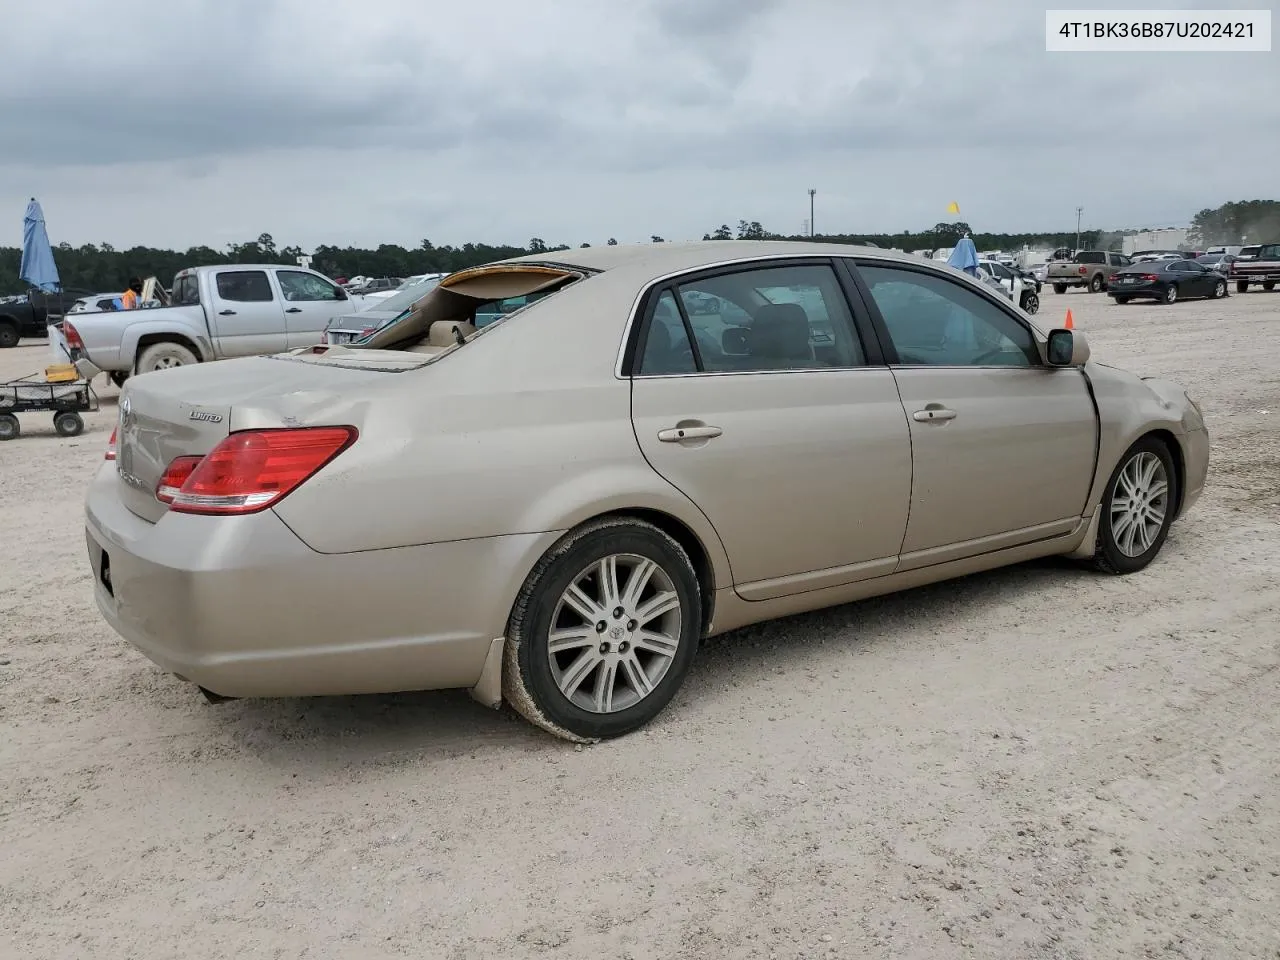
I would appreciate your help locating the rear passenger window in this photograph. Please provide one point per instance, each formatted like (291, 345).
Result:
(1091, 257)
(244, 286)
(666, 346)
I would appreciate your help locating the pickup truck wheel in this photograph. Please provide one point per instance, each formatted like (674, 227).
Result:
(1095, 285)
(1059, 288)
(1269, 285)
(164, 356)
(8, 334)
(1242, 286)
(118, 377)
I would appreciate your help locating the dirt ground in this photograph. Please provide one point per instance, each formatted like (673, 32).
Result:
(1039, 762)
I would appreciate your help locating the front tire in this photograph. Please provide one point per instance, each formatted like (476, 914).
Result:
(68, 424)
(1219, 290)
(164, 356)
(603, 631)
(118, 377)
(1137, 508)
(1122, 299)
(10, 428)
(1269, 285)
(1030, 302)
(9, 336)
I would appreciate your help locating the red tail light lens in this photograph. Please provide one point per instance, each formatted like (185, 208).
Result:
(1151, 276)
(255, 469)
(1083, 270)
(111, 446)
(73, 336)
(175, 475)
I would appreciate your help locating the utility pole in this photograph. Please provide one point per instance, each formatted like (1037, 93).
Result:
(1079, 210)
(811, 193)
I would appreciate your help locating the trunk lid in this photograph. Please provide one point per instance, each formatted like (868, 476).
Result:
(187, 411)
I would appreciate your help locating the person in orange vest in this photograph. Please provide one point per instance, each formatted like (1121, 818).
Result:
(129, 299)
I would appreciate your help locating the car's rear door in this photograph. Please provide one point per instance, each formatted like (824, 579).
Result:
(784, 430)
(245, 313)
(1003, 446)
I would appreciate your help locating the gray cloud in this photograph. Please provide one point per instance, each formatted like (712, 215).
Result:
(334, 120)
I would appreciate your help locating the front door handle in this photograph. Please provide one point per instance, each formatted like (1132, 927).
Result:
(294, 310)
(226, 313)
(932, 413)
(678, 434)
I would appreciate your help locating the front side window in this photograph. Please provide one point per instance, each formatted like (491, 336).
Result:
(244, 286)
(770, 318)
(932, 320)
(296, 286)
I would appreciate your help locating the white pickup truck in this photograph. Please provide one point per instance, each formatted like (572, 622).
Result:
(239, 310)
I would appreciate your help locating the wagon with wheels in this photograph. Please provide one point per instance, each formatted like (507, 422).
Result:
(66, 401)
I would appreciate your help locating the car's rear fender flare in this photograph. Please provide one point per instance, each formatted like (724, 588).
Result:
(138, 336)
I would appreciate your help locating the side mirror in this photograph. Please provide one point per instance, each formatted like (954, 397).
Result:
(1067, 348)
(733, 341)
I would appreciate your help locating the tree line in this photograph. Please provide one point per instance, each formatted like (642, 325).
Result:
(101, 267)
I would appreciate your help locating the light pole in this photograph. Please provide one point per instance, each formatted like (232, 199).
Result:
(811, 193)
(1079, 210)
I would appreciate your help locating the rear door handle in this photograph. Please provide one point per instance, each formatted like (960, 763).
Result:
(929, 414)
(226, 313)
(677, 434)
(294, 310)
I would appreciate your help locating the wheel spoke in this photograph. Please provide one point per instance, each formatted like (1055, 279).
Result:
(656, 606)
(636, 677)
(1150, 464)
(1130, 535)
(605, 679)
(1157, 489)
(588, 609)
(1118, 527)
(654, 643)
(607, 574)
(641, 574)
(571, 638)
(581, 668)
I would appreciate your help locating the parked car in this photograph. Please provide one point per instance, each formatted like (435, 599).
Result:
(557, 509)
(1218, 262)
(1010, 279)
(30, 314)
(1167, 280)
(1262, 268)
(216, 313)
(1088, 268)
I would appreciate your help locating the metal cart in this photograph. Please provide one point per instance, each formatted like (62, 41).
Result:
(66, 401)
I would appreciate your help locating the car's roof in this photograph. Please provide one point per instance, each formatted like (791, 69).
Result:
(684, 255)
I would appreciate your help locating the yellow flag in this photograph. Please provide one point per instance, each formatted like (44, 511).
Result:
(953, 207)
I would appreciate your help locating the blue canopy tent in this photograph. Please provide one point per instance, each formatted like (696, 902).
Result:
(965, 257)
(38, 268)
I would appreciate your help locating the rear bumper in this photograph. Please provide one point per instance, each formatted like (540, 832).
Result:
(241, 606)
(1255, 278)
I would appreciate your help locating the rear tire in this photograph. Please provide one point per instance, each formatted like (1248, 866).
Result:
(1242, 286)
(1122, 299)
(1171, 293)
(1059, 288)
(1269, 285)
(68, 424)
(1096, 284)
(8, 335)
(535, 678)
(164, 356)
(1128, 538)
(10, 428)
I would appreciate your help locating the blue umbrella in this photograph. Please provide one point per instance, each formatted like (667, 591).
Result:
(965, 257)
(38, 268)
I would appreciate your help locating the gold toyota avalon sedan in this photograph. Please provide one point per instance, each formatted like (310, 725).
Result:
(557, 474)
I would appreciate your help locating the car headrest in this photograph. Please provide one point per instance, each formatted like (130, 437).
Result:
(779, 331)
(441, 332)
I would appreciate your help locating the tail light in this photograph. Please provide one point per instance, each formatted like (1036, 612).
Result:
(72, 335)
(1151, 276)
(111, 446)
(175, 475)
(1083, 270)
(252, 470)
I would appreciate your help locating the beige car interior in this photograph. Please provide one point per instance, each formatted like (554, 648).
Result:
(452, 304)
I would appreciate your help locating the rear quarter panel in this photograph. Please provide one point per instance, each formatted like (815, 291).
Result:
(525, 429)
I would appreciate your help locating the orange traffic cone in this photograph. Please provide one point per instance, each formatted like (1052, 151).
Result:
(1070, 324)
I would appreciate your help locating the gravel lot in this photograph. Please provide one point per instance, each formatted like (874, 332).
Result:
(1036, 762)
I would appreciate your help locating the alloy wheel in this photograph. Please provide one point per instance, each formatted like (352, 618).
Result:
(1139, 504)
(614, 633)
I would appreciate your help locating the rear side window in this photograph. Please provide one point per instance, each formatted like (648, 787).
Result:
(244, 286)
(1091, 256)
(1270, 251)
(666, 346)
(186, 292)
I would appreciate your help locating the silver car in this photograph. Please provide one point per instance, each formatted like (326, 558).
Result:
(556, 509)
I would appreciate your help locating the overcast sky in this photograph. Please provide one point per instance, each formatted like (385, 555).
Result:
(177, 122)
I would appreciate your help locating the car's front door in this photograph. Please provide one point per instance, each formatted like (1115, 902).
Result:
(1003, 446)
(310, 302)
(245, 313)
(782, 429)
